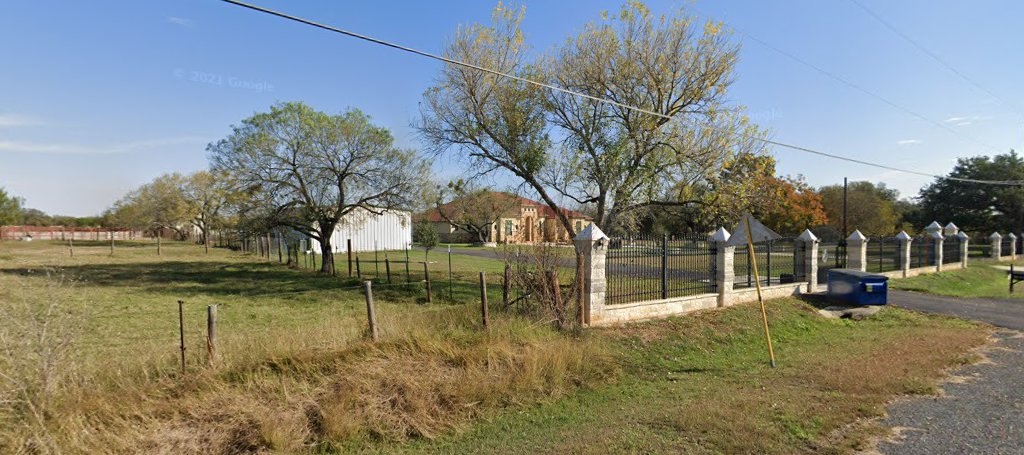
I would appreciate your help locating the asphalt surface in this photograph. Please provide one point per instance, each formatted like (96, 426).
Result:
(981, 409)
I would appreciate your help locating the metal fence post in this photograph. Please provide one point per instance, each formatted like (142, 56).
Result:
(664, 266)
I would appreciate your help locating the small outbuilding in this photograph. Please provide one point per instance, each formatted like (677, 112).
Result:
(368, 231)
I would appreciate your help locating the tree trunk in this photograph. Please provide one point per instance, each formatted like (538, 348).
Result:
(326, 255)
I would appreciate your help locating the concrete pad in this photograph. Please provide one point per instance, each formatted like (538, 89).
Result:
(852, 312)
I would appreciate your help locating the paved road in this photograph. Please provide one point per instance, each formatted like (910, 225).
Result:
(982, 411)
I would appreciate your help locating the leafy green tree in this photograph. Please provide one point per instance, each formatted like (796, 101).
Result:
(871, 208)
(425, 235)
(307, 169)
(978, 208)
(618, 161)
(160, 204)
(10, 209)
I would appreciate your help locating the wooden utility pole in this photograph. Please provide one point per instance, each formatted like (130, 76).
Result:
(371, 314)
(483, 301)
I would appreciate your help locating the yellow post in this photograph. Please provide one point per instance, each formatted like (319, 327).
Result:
(757, 284)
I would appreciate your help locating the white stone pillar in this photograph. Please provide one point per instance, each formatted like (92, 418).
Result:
(962, 236)
(937, 241)
(950, 230)
(857, 251)
(807, 262)
(593, 245)
(905, 240)
(997, 243)
(724, 272)
(1013, 246)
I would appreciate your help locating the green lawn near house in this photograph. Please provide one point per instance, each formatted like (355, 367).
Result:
(986, 280)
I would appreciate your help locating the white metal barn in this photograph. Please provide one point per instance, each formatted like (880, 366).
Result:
(391, 230)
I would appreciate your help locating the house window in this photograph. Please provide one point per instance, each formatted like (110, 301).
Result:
(508, 227)
(579, 226)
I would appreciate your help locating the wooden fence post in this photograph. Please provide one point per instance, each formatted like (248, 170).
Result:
(387, 267)
(158, 236)
(359, 270)
(556, 293)
(111, 243)
(348, 249)
(506, 285)
(426, 278)
(483, 301)
(211, 334)
(181, 332)
(71, 244)
(371, 315)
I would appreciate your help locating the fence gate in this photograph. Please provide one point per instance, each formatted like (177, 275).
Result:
(830, 256)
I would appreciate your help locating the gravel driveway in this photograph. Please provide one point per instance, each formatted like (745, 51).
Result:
(982, 407)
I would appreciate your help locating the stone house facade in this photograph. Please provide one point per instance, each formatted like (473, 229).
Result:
(524, 221)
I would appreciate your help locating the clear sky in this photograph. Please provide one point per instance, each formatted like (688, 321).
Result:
(98, 97)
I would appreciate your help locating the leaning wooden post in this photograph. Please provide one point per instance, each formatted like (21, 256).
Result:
(483, 301)
(211, 334)
(426, 278)
(371, 315)
(757, 283)
(181, 331)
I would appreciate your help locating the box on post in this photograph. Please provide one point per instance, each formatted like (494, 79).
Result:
(853, 287)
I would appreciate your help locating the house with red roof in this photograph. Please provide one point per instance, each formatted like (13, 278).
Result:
(525, 221)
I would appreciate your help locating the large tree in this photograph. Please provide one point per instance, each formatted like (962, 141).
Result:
(160, 204)
(979, 208)
(870, 207)
(312, 169)
(568, 148)
(10, 209)
(207, 195)
(473, 210)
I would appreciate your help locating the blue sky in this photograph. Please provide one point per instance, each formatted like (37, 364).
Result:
(98, 97)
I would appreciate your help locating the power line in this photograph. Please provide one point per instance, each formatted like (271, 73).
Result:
(602, 100)
(934, 56)
(861, 89)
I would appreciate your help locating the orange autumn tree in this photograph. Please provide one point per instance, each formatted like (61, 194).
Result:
(790, 205)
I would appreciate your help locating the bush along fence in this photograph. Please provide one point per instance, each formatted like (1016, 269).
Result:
(636, 279)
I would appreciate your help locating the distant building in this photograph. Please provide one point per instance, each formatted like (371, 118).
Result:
(525, 221)
(391, 230)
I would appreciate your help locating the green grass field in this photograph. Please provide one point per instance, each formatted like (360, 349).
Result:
(981, 279)
(295, 374)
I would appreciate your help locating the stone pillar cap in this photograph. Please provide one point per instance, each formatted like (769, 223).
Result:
(807, 236)
(857, 236)
(935, 226)
(995, 236)
(962, 235)
(1011, 235)
(904, 236)
(591, 233)
(720, 235)
(951, 226)
(936, 235)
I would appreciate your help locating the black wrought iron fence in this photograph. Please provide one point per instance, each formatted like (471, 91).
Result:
(951, 250)
(1005, 246)
(659, 267)
(831, 255)
(883, 254)
(776, 263)
(922, 252)
(979, 250)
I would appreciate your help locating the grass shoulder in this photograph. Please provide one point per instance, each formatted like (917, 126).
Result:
(981, 280)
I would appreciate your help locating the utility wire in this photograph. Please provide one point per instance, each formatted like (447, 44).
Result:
(934, 56)
(859, 88)
(603, 100)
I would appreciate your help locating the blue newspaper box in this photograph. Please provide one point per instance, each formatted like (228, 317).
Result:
(854, 287)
